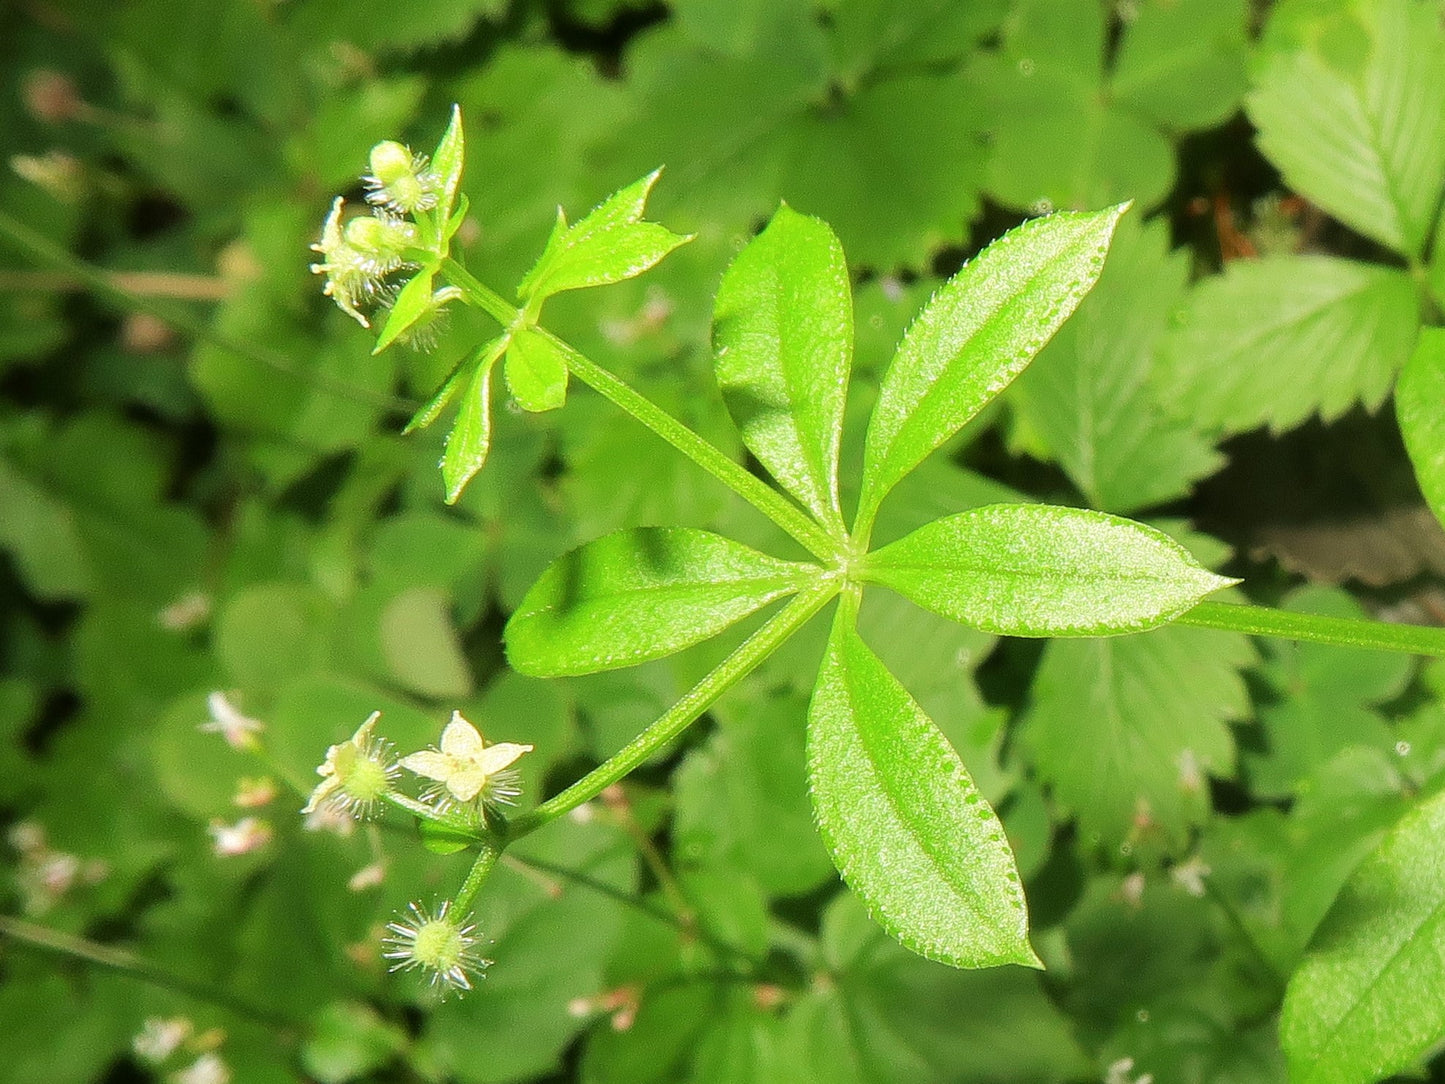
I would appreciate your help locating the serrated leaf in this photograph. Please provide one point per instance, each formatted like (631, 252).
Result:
(1369, 999)
(471, 436)
(640, 594)
(1323, 700)
(1088, 401)
(1274, 340)
(1126, 730)
(410, 306)
(890, 1017)
(1420, 405)
(536, 372)
(447, 161)
(905, 825)
(1347, 103)
(1041, 570)
(975, 335)
(609, 245)
(783, 348)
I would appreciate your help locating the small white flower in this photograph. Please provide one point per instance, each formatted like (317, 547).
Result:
(466, 768)
(207, 1069)
(239, 730)
(246, 835)
(253, 793)
(356, 774)
(1190, 875)
(186, 612)
(159, 1038)
(367, 877)
(432, 941)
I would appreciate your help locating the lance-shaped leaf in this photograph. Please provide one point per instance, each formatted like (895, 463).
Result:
(1041, 570)
(1420, 403)
(411, 305)
(640, 594)
(783, 346)
(977, 334)
(471, 437)
(1369, 999)
(905, 825)
(447, 162)
(609, 245)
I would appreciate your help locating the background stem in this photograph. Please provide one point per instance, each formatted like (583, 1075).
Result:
(65, 944)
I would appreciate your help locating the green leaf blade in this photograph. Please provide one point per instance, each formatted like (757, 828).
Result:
(1369, 998)
(410, 306)
(978, 333)
(1334, 332)
(902, 819)
(447, 161)
(640, 594)
(1347, 103)
(536, 372)
(1040, 570)
(471, 437)
(782, 347)
(1419, 398)
(611, 244)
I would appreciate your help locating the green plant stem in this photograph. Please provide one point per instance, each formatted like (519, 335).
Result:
(477, 876)
(1316, 628)
(480, 294)
(46, 251)
(64, 944)
(750, 488)
(682, 714)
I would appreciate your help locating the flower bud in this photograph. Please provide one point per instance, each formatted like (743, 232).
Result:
(400, 181)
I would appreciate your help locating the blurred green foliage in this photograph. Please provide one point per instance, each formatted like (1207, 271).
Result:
(234, 510)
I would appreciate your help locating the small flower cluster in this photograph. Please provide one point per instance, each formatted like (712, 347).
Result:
(160, 1039)
(466, 775)
(370, 259)
(359, 258)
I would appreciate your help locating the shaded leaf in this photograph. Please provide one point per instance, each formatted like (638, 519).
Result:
(783, 348)
(1347, 103)
(640, 594)
(1274, 340)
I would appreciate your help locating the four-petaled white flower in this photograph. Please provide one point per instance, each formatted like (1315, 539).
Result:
(466, 768)
(356, 774)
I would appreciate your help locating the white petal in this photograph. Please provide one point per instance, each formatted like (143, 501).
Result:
(460, 738)
(502, 755)
(466, 783)
(430, 764)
